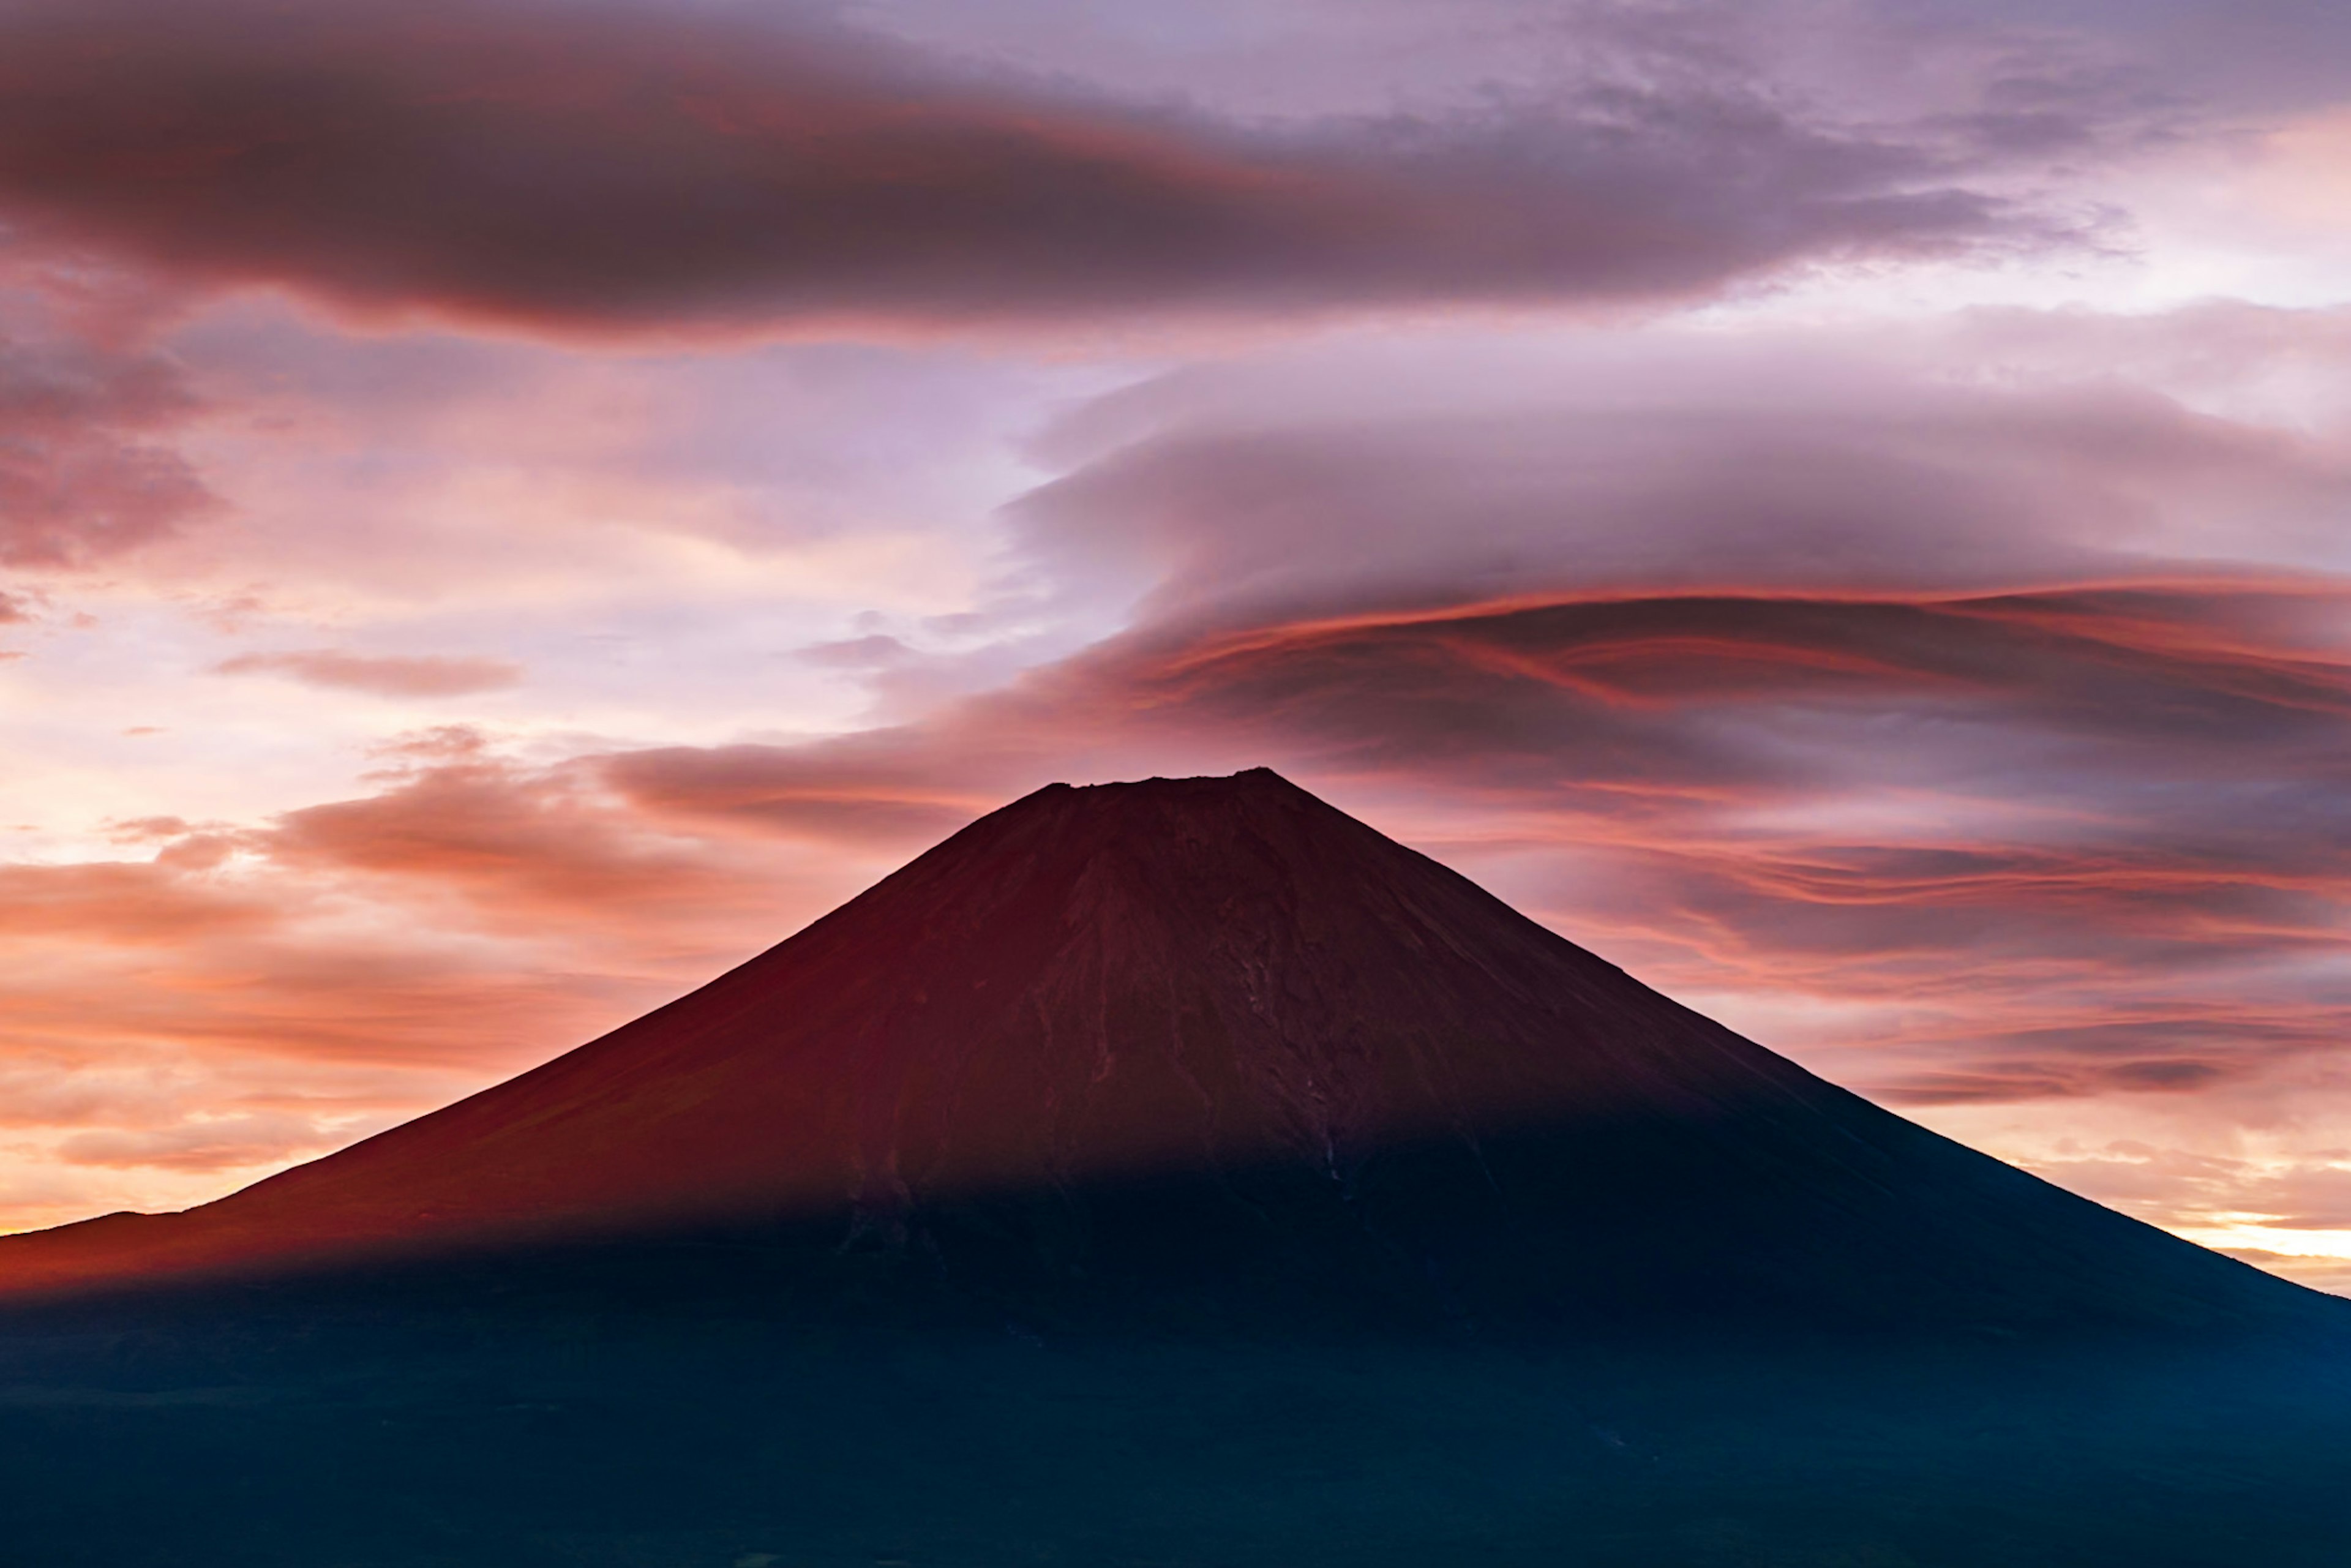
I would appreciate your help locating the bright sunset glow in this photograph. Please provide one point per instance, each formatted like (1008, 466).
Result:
(507, 508)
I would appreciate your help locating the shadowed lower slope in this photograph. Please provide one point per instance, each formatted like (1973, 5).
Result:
(1134, 1046)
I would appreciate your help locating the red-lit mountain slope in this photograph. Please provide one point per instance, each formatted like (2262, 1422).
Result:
(1229, 1028)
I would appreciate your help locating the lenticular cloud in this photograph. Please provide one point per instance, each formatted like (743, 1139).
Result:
(608, 168)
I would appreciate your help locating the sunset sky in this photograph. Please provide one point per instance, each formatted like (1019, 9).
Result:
(1840, 506)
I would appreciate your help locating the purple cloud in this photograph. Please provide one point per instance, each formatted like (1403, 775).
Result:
(602, 167)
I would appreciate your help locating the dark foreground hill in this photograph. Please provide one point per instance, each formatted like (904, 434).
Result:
(1165, 1172)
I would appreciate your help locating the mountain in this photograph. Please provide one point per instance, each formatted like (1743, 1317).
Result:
(1200, 1047)
(1180, 1173)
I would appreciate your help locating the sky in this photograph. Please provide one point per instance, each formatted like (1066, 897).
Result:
(509, 508)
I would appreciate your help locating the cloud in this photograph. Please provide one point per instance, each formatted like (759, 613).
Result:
(2244, 55)
(204, 1144)
(1619, 681)
(1396, 476)
(601, 167)
(534, 847)
(889, 793)
(428, 676)
(127, 904)
(247, 995)
(372, 927)
(82, 476)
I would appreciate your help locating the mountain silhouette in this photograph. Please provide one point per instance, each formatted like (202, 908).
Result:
(1212, 1046)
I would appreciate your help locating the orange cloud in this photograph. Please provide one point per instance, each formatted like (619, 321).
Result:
(203, 1144)
(250, 995)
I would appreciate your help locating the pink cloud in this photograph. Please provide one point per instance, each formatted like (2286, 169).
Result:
(390, 676)
(82, 476)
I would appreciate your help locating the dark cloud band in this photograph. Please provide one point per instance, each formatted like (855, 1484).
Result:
(602, 167)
